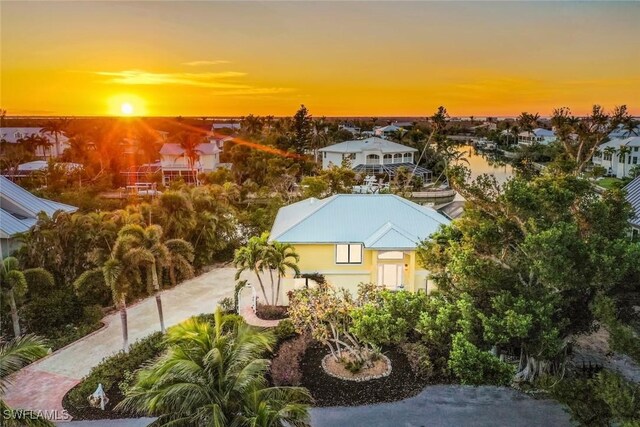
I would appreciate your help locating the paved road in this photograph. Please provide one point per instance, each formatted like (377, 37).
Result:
(445, 406)
(41, 385)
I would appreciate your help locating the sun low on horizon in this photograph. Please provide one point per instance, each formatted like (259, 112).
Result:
(475, 58)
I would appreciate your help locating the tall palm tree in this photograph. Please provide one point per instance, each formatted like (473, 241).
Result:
(622, 156)
(121, 272)
(14, 355)
(181, 256)
(252, 257)
(56, 128)
(149, 241)
(214, 375)
(280, 257)
(189, 142)
(13, 286)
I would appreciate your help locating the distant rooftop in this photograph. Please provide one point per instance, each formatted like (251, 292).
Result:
(373, 144)
(633, 197)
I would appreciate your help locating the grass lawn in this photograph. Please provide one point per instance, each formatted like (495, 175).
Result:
(609, 183)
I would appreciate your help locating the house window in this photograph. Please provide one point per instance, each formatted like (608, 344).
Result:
(407, 157)
(373, 159)
(324, 155)
(397, 158)
(635, 160)
(349, 254)
(387, 159)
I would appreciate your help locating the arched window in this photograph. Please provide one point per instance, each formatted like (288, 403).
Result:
(397, 158)
(373, 159)
(388, 158)
(408, 157)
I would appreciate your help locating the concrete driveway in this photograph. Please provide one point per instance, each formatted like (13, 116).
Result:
(446, 406)
(43, 384)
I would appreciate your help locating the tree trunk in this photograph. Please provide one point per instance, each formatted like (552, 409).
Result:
(125, 328)
(15, 320)
(278, 289)
(156, 289)
(264, 293)
(273, 287)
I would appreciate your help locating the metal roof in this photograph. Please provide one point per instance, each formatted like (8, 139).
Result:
(373, 144)
(380, 221)
(616, 143)
(19, 208)
(9, 134)
(391, 168)
(633, 197)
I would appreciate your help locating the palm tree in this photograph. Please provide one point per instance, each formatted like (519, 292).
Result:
(189, 142)
(149, 241)
(14, 355)
(280, 257)
(56, 128)
(252, 257)
(13, 285)
(121, 272)
(214, 375)
(622, 156)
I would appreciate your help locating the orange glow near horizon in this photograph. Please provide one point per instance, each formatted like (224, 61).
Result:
(338, 58)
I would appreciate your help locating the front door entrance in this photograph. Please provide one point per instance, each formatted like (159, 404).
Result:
(390, 275)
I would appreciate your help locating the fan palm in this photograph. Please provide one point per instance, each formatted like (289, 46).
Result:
(14, 355)
(13, 285)
(214, 375)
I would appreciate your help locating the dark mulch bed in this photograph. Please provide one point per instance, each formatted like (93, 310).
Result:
(330, 391)
(89, 413)
(272, 312)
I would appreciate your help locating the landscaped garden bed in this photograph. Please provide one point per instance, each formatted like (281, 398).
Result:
(328, 390)
(272, 312)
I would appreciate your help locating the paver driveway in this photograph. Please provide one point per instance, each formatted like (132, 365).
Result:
(43, 384)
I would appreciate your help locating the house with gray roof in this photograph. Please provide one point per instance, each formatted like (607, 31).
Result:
(537, 136)
(618, 157)
(353, 238)
(373, 156)
(633, 197)
(19, 210)
(14, 135)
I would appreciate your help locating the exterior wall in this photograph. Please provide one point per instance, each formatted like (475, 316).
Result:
(329, 158)
(320, 258)
(206, 163)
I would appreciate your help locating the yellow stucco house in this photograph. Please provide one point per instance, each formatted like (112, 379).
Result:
(353, 238)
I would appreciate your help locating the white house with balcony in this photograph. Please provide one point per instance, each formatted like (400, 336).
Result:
(375, 156)
(618, 156)
(12, 135)
(175, 163)
(537, 136)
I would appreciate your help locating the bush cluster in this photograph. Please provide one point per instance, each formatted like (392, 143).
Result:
(476, 367)
(285, 366)
(113, 370)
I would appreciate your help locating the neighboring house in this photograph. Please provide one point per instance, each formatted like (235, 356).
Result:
(633, 197)
(373, 156)
(621, 132)
(351, 239)
(219, 140)
(618, 156)
(175, 164)
(537, 136)
(355, 131)
(19, 210)
(386, 131)
(14, 135)
(40, 166)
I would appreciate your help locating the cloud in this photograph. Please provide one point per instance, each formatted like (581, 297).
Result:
(224, 82)
(201, 63)
(209, 80)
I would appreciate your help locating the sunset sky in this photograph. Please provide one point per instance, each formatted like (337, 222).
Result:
(338, 58)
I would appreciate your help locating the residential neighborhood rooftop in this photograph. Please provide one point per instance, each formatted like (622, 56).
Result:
(381, 221)
(633, 197)
(373, 143)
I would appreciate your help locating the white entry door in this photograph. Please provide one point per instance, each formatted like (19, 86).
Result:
(390, 275)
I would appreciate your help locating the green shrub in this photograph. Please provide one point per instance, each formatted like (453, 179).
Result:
(417, 355)
(227, 305)
(476, 367)
(608, 399)
(113, 370)
(284, 330)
